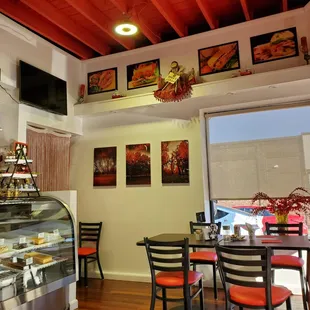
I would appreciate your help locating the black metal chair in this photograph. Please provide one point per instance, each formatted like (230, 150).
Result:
(204, 257)
(238, 271)
(288, 261)
(173, 266)
(89, 232)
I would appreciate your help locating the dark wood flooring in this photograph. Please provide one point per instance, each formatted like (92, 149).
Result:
(123, 295)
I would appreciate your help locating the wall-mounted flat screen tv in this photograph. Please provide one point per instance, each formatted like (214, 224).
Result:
(42, 90)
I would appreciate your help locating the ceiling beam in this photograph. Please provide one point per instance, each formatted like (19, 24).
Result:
(208, 14)
(35, 22)
(169, 13)
(245, 7)
(140, 21)
(88, 10)
(55, 16)
(284, 5)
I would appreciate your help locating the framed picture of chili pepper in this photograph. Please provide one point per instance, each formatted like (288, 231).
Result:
(102, 81)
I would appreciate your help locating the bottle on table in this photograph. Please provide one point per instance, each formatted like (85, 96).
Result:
(226, 231)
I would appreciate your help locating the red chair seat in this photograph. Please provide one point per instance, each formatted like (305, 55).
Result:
(175, 278)
(86, 251)
(203, 256)
(256, 296)
(286, 261)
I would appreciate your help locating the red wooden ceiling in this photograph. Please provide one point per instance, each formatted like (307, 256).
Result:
(85, 27)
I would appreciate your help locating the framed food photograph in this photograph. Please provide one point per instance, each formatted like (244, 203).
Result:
(174, 162)
(219, 58)
(138, 164)
(105, 166)
(274, 45)
(143, 74)
(102, 81)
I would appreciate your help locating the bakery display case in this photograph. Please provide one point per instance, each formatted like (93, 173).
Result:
(37, 252)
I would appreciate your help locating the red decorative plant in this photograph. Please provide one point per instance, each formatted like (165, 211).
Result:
(296, 202)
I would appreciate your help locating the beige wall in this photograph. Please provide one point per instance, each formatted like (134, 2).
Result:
(130, 213)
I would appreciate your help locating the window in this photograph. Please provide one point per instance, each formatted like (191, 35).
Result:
(252, 151)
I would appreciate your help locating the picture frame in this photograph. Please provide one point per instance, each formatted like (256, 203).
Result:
(208, 58)
(102, 81)
(175, 162)
(143, 74)
(105, 166)
(138, 164)
(276, 45)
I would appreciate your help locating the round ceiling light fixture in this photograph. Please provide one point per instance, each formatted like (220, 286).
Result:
(126, 29)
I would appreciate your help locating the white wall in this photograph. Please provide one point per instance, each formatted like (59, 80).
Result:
(131, 213)
(185, 51)
(21, 44)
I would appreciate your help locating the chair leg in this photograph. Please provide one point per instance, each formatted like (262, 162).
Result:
(288, 304)
(240, 308)
(201, 295)
(303, 290)
(214, 282)
(164, 295)
(194, 267)
(99, 266)
(153, 298)
(273, 275)
(80, 268)
(187, 298)
(227, 305)
(85, 272)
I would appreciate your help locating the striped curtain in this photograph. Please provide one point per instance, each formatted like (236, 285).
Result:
(50, 152)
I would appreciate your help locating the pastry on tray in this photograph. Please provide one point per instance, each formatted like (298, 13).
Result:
(3, 249)
(19, 246)
(39, 258)
(20, 264)
(38, 241)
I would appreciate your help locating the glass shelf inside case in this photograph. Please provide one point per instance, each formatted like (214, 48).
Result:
(36, 247)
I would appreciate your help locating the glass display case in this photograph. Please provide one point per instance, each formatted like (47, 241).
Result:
(37, 250)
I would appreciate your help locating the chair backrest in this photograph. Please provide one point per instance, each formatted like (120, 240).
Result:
(194, 226)
(200, 217)
(90, 232)
(168, 256)
(284, 229)
(238, 267)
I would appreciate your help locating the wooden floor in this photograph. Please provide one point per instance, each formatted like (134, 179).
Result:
(121, 295)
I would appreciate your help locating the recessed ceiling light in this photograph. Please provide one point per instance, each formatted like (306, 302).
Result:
(126, 29)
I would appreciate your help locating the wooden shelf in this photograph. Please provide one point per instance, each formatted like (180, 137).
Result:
(20, 162)
(272, 85)
(28, 190)
(17, 175)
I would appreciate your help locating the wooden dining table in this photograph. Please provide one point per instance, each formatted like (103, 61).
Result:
(282, 243)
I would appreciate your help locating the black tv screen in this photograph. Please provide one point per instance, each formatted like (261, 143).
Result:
(42, 90)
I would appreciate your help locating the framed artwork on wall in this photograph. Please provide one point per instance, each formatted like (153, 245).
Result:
(102, 81)
(138, 164)
(143, 74)
(274, 45)
(174, 162)
(219, 58)
(105, 166)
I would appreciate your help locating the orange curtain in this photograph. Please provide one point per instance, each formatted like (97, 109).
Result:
(50, 153)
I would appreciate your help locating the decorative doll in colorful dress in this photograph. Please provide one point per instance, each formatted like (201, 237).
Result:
(176, 86)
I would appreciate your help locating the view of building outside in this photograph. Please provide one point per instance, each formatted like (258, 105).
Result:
(263, 151)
